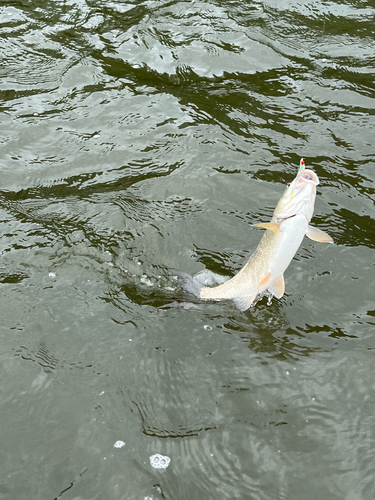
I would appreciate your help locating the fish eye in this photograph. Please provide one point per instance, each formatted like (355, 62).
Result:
(288, 185)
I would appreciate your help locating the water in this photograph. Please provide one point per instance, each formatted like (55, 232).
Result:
(140, 139)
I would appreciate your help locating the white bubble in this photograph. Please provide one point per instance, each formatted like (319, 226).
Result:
(146, 280)
(207, 327)
(52, 275)
(119, 444)
(159, 461)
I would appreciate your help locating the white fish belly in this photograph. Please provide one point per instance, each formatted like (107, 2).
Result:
(294, 230)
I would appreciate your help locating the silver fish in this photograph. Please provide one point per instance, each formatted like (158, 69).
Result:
(284, 234)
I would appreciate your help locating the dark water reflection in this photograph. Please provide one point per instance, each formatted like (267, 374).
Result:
(140, 139)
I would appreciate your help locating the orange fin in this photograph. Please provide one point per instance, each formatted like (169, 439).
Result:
(316, 234)
(264, 280)
(278, 287)
(272, 226)
(245, 302)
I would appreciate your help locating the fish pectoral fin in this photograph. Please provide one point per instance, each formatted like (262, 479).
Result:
(272, 226)
(264, 280)
(316, 234)
(244, 302)
(278, 287)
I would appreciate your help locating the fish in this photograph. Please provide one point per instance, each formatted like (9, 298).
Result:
(264, 271)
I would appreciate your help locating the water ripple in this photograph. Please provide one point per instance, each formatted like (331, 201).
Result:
(142, 139)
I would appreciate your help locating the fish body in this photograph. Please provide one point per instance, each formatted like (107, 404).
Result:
(284, 234)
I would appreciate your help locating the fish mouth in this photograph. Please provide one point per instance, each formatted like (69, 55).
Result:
(304, 176)
(307, 177)
(305, 180)
(305, 186)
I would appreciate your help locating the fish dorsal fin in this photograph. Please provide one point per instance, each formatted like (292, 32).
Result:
(272, 226)
(244, 302)
(278, 287)
(318, 235)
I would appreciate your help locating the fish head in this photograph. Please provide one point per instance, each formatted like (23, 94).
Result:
(299, 196)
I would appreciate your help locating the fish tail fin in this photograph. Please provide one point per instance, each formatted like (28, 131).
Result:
(189, 284)
(194, 284)
(243, 303)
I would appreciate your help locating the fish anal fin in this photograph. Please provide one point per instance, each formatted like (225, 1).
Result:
(264, 280)
(272, 226)
(278, 287)
(244, 302)
(316, 234)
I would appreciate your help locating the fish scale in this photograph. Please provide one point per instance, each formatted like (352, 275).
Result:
(284, 234)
